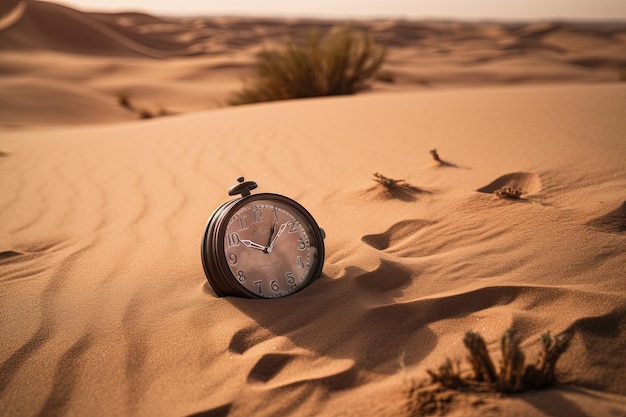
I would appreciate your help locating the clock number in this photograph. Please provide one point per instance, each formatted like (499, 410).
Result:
(274, 286)
(301, 244)
(233, 240)
(256, 215)
(241, 277)
(291, 279)
(299, 262)
(243, 223)
(232, 259)
(292, 227)
(258, 284)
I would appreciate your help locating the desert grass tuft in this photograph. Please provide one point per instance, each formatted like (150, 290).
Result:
(514, 375)
(341, 63)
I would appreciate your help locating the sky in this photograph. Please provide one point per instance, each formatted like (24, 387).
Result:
(410, 9)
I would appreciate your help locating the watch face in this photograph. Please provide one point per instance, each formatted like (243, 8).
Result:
(271, 246)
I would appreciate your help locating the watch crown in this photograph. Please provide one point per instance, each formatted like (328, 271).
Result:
(243, 187)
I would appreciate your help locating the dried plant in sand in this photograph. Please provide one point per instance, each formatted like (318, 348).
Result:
(341, 63)
(391, 188)
(441, 162)
(389, 183)
(428, 401)
(435, 155)
(509, 192)
(513, 376)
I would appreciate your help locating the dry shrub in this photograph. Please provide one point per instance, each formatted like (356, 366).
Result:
(428, 401)
(513, 376)
(342, 63)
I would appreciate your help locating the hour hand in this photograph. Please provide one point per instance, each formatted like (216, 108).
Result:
(251, 244)
(280, 232)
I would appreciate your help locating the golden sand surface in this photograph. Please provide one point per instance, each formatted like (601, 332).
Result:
(104, 306)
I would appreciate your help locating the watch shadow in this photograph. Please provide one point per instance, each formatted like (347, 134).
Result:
(354, 318)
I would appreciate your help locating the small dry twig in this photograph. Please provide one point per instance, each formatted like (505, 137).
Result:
(435, 156)
(399, 189)
(388, 182)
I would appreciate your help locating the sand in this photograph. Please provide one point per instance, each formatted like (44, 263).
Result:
(105, 309)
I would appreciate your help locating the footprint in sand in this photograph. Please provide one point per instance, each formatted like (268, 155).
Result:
(513, 185)
(612, 222)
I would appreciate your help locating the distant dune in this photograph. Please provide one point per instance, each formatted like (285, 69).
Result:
(190, 64)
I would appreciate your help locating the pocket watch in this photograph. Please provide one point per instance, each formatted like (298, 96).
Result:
(261, 246)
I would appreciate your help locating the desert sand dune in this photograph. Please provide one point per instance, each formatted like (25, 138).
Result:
(104, 305)
(106, 310)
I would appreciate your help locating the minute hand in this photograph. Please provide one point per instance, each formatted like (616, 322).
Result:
(251, 244)
(280, 231)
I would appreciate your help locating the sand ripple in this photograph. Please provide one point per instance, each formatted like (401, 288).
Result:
(612, 222)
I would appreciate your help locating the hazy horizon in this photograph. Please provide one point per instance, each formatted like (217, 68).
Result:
(414, 9)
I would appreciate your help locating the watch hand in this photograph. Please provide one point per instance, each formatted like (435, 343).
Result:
(251, 244)
(280, 232)
(271, 233)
